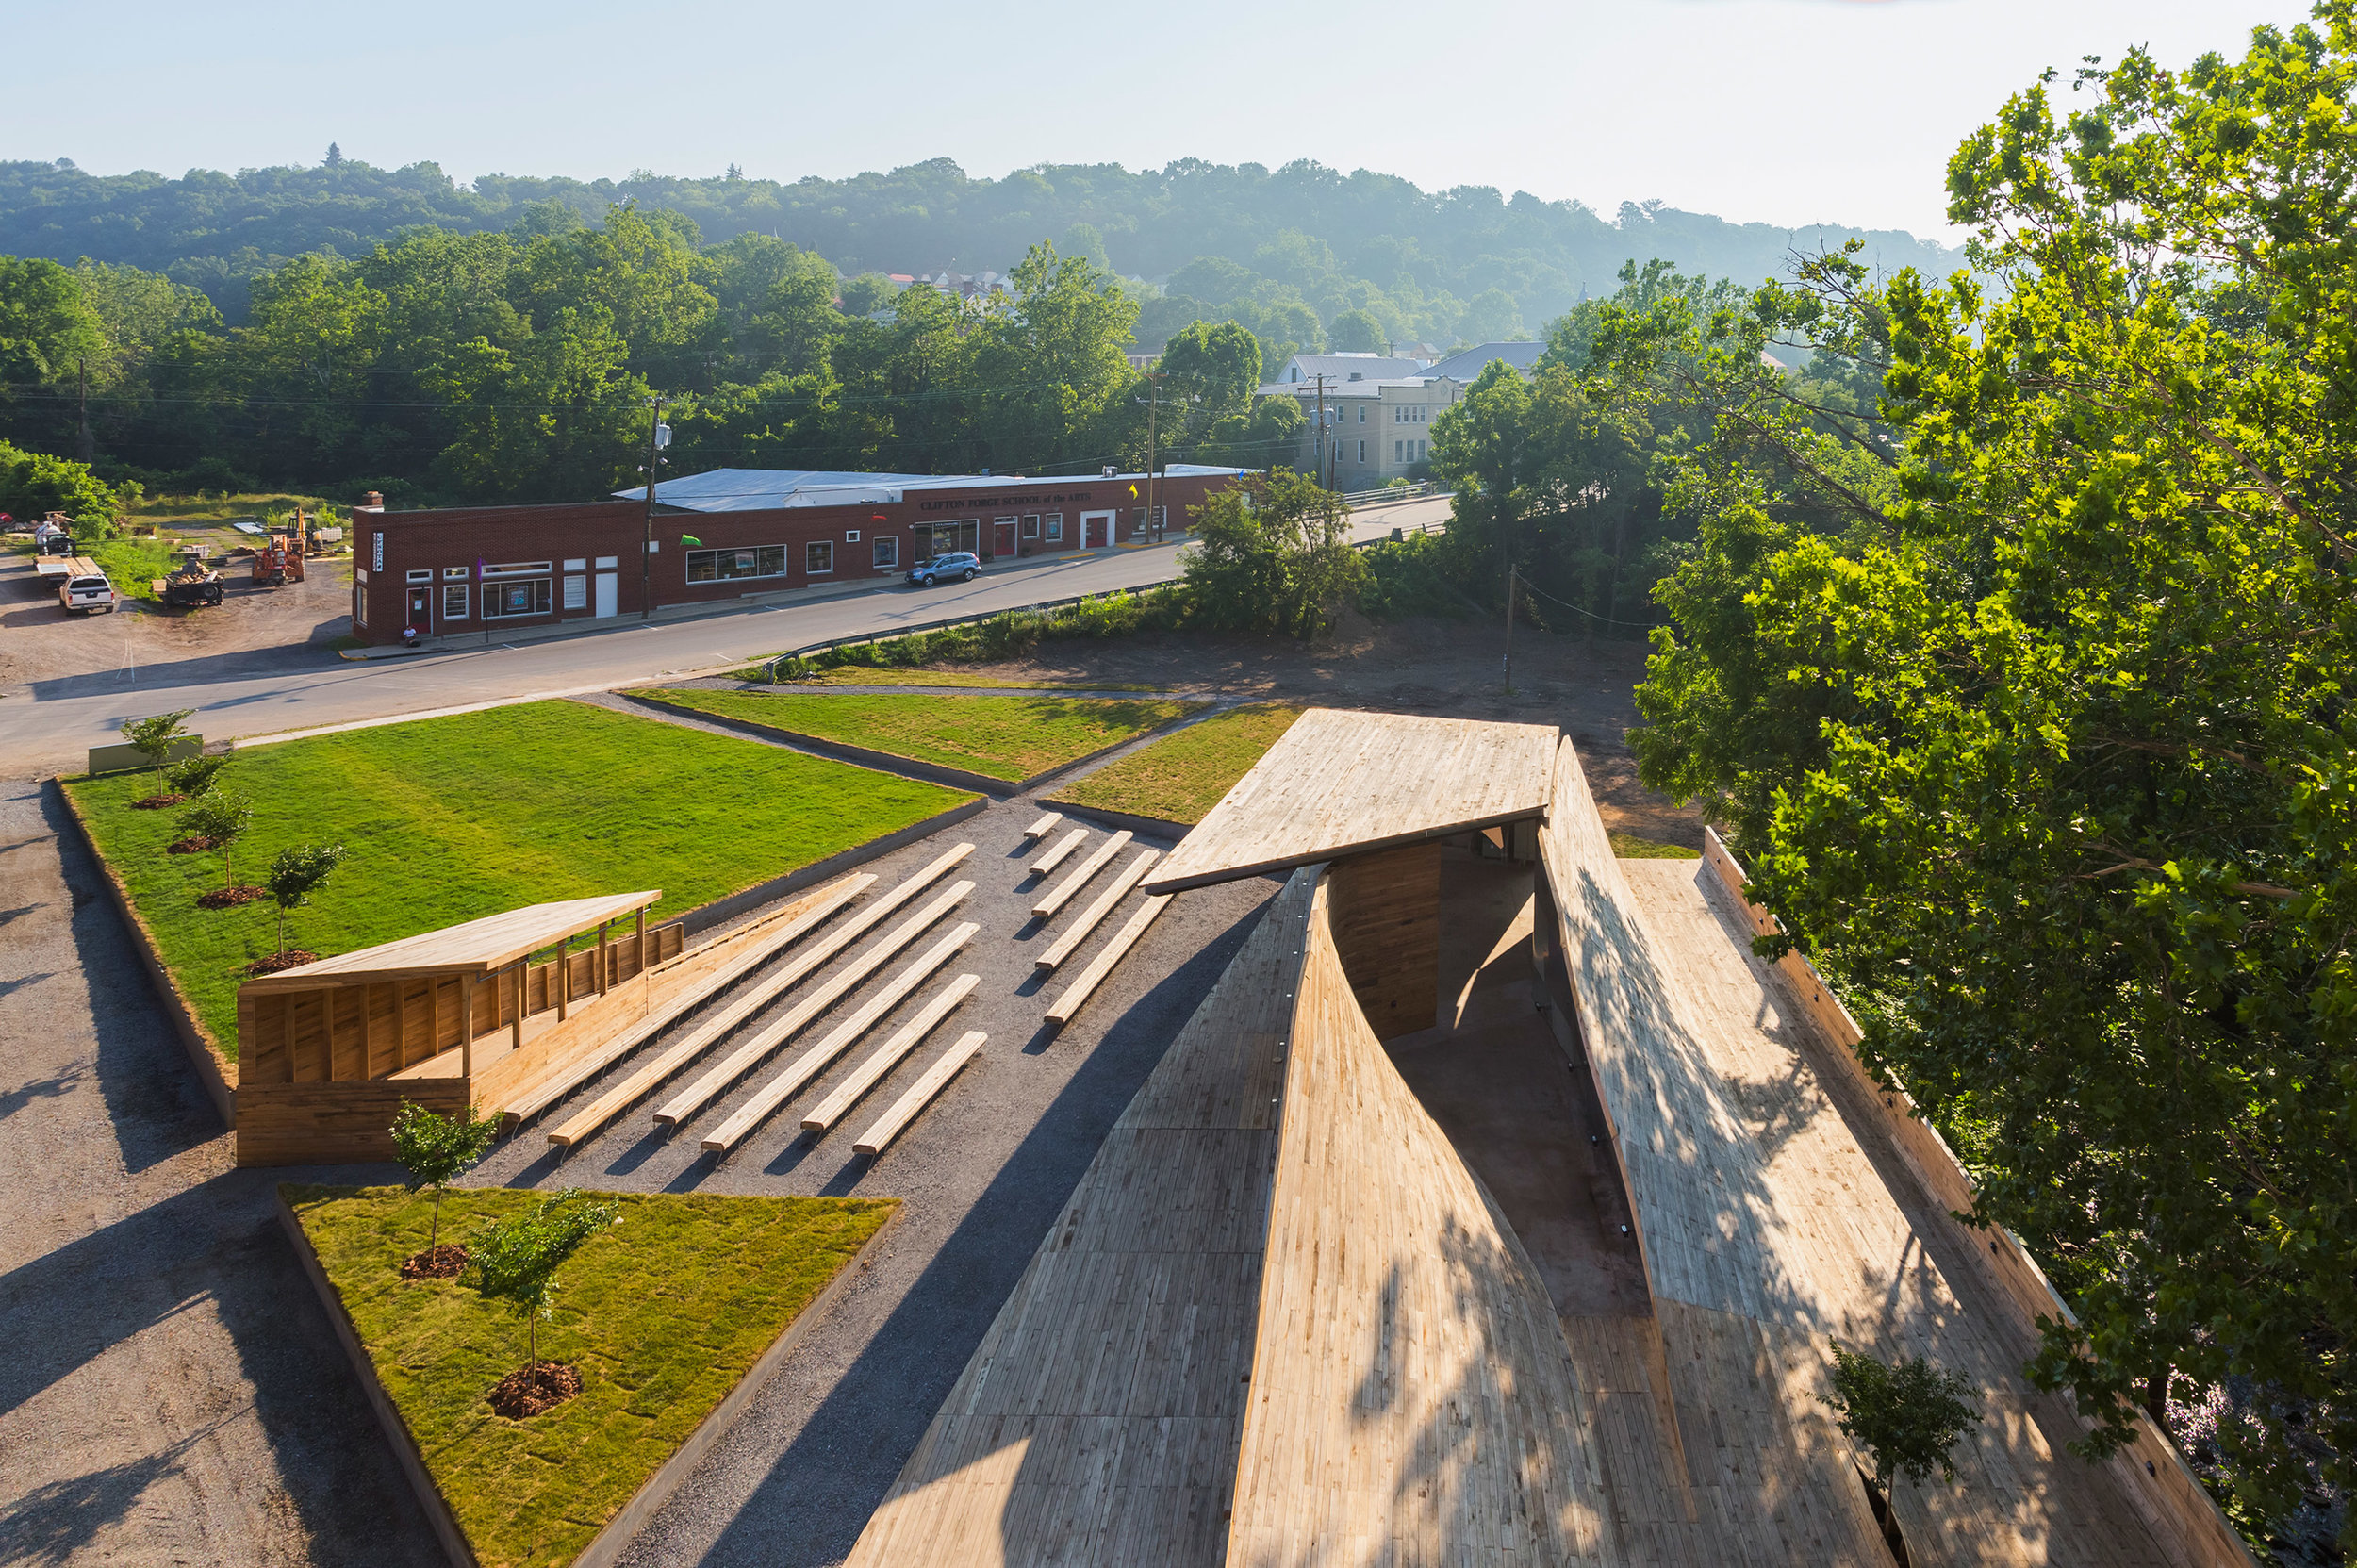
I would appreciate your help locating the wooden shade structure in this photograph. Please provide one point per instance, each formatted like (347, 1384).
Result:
(447, 1019)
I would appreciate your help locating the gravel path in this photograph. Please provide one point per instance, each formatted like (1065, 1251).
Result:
(170, 1389)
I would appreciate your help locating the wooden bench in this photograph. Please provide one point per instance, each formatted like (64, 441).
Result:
(895, 1121)
(1060, 895)
(1103, 963)
(1045, 826)
(1069, 943)
(1056, 856)
(888, 1056)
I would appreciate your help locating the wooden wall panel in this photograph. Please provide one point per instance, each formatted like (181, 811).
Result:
(383, 1029)
(262, 1038)
(306, 1123)
(348, 1009)
(306, 1037)
(1386, 918)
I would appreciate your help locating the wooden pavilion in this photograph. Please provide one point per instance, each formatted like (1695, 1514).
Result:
(447, 1019)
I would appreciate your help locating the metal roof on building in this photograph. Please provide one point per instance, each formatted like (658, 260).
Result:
(1467, 364)
(767, 489)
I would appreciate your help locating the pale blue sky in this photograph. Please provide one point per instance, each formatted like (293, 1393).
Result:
(1788, 111)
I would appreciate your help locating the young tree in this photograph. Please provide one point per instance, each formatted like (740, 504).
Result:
(1273, 557)
(195, 776)
(222, 817)
(515, 1259)
(296, 874)
(153, 737)
(435, 1150)
(1904, 1418)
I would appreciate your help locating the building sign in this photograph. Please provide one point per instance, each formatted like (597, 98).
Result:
(975, 504)
(376, 558)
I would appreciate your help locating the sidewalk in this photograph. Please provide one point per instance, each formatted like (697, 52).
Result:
(702, 610)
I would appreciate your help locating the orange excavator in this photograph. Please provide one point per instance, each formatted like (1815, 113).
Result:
(278, 557)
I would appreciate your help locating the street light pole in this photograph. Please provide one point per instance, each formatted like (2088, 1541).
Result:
(1153, 397)
(646, 549)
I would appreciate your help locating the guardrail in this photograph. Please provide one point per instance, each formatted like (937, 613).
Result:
(1420, 490)
(1043, 606)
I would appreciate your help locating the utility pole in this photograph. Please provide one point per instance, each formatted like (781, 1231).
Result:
(1153, 397)
(655, 442)
(1512, 577)
(81, 398)
(1318, 468)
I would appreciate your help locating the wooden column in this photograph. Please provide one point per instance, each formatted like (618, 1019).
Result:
(368, 1043)
(602, 956)
(466, 1026)
(516, 1020)
(564, 975)
(642, 940)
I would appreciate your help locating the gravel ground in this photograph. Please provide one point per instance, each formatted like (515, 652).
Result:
(169, 1391)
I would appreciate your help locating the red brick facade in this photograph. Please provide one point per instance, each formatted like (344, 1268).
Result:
(492, 568)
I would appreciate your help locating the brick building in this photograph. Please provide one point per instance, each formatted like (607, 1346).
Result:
(732, 534)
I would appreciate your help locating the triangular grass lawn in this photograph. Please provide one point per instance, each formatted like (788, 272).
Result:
(663, 1313)
(1010, 737)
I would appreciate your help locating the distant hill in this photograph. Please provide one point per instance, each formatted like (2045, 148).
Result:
(1468, 263)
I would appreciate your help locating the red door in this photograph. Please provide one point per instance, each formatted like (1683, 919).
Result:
(1004, 546)
(421, 609)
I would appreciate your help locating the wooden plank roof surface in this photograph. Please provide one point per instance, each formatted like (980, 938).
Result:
(1342, 783)
(1098, 1420)
(476, 947)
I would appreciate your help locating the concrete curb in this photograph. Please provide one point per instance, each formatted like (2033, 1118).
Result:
(214, 1070)
(608, 1546)
(1155, 827)
(705, 916)
(834, 750)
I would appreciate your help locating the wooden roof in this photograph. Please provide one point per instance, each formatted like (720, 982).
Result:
(476, 947)
(1341, 784)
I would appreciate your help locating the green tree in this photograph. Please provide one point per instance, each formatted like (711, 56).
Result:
(46, 325)
(1906, 1418)
(1358, 332)
(1212, 370)
(1272, 556)
(515, 1259)
(153, 737)
(221, 819)
(299, 871)
(866, 294)
(435, 1150)
(33, 483)
(2031, 721)
(196, 775)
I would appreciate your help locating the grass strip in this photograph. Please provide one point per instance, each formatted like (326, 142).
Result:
(1182, 776)
(449, 819)
(864, 675)
(1000, 737)
(1627, 846)
(662, 1314)
(130, 565)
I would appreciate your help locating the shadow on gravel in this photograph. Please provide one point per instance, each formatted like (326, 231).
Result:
(817, 1497)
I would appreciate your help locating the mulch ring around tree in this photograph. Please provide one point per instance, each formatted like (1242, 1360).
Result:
(230, 897)
(188, 846)
(293, 958)
(157, 802)
(530, 1389)
(446, 1262)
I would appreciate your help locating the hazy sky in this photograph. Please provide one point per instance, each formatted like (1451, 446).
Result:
(1789, 111)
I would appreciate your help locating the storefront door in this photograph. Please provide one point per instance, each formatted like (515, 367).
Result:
(421, 609)
(1005, 545)
(1097, 530)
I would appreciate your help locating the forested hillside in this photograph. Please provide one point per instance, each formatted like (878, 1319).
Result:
(1432, 266)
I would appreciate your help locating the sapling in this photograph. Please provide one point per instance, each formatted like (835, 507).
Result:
(515, 1259)
(296, 874)
(153, 737)
(195, 776)
(434, 1150)
(221, 819)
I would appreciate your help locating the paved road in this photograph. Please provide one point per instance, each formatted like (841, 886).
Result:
(50, 725)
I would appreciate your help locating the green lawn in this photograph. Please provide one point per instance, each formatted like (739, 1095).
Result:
(1628, 846)
(1182, 776)
(449, 819)
(1000, 737)
(865, 675)
(130, 565)
(662, 1314)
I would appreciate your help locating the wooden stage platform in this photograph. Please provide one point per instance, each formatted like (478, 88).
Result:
(1498, 1205)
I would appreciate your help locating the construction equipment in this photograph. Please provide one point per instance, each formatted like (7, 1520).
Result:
(190, 583)
(277, 559)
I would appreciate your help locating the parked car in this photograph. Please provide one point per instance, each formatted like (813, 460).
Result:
(964, 565)
(85, 589)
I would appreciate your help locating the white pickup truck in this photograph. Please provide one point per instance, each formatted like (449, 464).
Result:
(82, 586)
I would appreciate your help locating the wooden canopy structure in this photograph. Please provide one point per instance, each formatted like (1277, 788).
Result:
(448, 1018)
(1501, 1210)
(1344, 783)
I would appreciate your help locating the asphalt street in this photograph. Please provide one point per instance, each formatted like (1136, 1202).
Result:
(49, 725)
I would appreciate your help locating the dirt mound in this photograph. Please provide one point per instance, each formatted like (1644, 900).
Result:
(157, 802)
(445, 1262)
(530, 1389)
(293, 958)
(188, 846)
(230, 897)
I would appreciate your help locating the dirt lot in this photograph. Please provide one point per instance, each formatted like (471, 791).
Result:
(1447, 669)
(253, 628)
